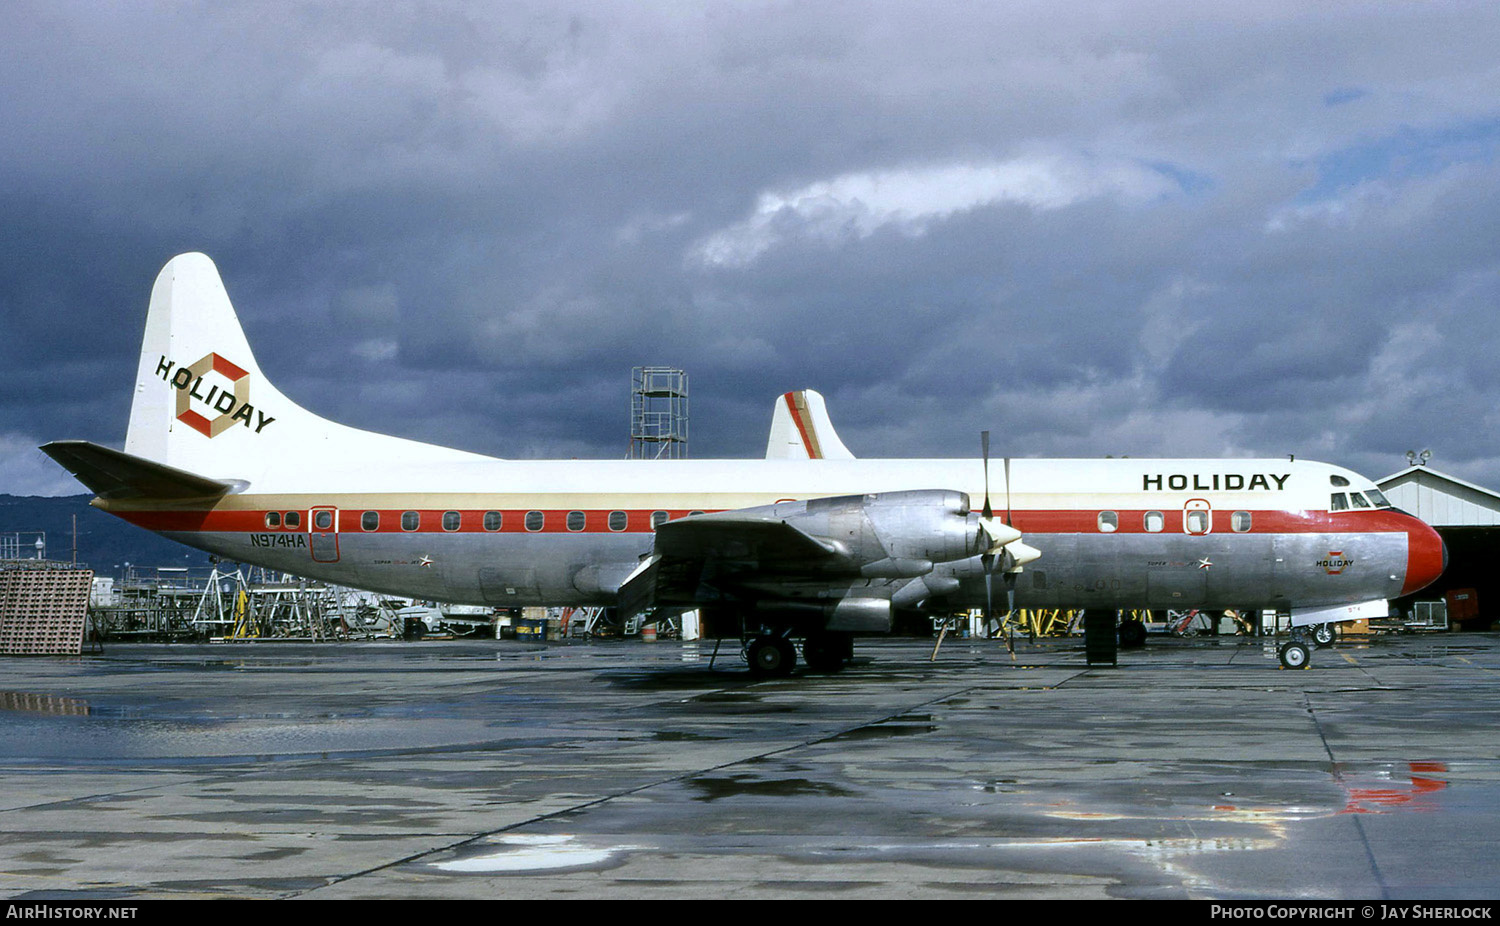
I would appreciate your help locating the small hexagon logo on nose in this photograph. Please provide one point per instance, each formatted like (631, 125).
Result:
(1336, 563)
(221, 399)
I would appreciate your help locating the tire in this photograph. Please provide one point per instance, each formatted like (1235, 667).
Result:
(1294, 655)
(827, 652)
(1323, 634)
(771, 657)
(1132, 634)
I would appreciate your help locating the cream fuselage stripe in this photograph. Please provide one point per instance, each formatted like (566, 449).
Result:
(555, 520)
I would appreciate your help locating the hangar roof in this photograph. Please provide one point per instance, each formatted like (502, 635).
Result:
(1441, 500)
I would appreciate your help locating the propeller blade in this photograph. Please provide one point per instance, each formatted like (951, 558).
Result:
(984, 448)
(1010, 609)
(989, 587)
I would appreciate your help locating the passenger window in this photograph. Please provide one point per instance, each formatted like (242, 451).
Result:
(323, 520)
(370, 521)
(410, 520)
(618, 520)
(535, 520)
(1155, 521)
(492, 520)
(658, 518)
(694, 513)
(293, 519)
(1240, 521)
(1109, 522)
(452, 520)
(273, 519)
(1358, 500)
(576, 520)
(1338, 502)
(1197, 522)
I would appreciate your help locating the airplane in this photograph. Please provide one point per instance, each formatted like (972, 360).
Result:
(809, 544)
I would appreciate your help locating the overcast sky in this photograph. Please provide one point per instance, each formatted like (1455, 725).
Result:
(1153, 228)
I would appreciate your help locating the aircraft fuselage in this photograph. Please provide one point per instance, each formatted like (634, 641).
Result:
(1113, 533)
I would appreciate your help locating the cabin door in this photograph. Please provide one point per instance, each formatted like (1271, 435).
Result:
(323, 534)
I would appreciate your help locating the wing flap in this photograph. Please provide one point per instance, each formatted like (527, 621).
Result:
(114, 474)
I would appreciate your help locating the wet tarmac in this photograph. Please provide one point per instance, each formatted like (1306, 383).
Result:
(495, 769)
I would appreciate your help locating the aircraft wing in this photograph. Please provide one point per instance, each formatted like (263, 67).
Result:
(897, 548)
(706, 557)
(753, 539)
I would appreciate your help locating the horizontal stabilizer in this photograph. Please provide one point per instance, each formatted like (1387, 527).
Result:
(114, 474)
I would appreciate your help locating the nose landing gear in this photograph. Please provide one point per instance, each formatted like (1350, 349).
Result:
(1294, 654)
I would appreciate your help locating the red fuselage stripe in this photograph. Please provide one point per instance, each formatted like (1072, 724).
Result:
(813, 453)
(596, 521)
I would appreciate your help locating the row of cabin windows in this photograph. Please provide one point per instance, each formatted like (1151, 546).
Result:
(453, 520)
(491, 520)
(1196, 522)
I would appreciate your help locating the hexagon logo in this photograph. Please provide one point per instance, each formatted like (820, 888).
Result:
(1336, 563)
(220, 399)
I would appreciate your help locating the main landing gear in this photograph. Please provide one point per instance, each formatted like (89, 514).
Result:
(772, 655)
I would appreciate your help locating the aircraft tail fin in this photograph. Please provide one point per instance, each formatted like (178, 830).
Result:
(801, 430)
(202, 405)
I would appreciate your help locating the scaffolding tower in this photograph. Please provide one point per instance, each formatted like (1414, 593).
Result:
(658, 414)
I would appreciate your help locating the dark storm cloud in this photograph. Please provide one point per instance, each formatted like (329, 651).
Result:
(1155, 228)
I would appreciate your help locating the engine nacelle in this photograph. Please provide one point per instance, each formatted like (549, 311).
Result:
(891, 534)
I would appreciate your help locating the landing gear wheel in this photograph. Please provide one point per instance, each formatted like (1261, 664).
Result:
(827, 652)
(1132, 634)
(1323, 634)
(1294, 655)
(771, 657)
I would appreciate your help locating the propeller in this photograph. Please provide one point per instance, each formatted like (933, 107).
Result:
(998, 543)
(1005, 545)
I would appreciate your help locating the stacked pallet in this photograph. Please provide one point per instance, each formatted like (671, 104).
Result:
(43, 608)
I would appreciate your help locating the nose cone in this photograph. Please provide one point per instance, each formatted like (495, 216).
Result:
(1426, 556)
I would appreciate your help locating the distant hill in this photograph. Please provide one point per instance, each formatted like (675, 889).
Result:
(105, 543)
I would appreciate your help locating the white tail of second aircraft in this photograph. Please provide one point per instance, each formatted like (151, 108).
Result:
(202, 404)
(801, 430)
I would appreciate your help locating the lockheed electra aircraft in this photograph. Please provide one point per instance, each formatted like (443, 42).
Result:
(808, 544)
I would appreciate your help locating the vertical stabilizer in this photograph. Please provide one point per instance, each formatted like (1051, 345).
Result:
(801, 430)
(201, 403)
(199, 394)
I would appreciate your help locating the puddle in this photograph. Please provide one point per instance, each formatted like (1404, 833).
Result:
(527, 854)
(714, 789)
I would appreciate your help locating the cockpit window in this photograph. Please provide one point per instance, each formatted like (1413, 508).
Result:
(1338, 502)
(1338, 480)
(1378, 498)
(1358, 500)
